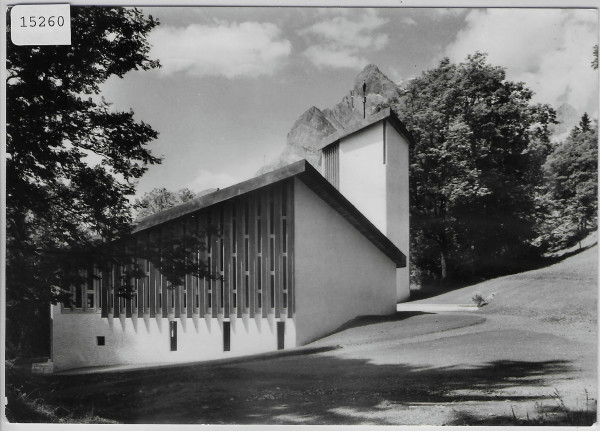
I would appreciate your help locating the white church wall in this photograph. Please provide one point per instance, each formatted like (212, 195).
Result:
(398, 213)
(363, 174)
(339, 274)
(137, 341)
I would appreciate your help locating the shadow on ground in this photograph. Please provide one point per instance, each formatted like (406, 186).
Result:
(313, 389)
(372, 320)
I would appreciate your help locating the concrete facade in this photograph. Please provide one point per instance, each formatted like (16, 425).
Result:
(363, 174)
(373, 170)
(339, 274)
(397, 197)
(146, 340)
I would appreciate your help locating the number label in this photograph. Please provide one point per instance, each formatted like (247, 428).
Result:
(41, 24)
(41, 21)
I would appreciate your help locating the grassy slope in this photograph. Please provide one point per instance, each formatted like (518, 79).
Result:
(565, 291)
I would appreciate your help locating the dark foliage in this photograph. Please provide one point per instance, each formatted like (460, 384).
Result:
(570, 195)
(480, 147)
(72, 161)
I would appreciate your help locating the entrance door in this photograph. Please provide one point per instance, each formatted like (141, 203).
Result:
(173, 334)
(280, 335)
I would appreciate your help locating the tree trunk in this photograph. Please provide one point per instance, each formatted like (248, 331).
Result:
(443, 264)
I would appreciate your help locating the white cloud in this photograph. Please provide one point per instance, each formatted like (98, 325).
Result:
(206, 179)
(327, 57)
(548, 49)
(408, 21)
(338, 42)
(442, 13)
(247, 49)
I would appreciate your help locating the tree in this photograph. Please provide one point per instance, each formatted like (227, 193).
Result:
(480, 147)
(159, 199)
(72, 160)
(571, 192)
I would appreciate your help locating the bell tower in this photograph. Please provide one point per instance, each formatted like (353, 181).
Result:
(368, 163)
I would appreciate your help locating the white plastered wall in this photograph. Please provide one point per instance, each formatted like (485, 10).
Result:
(398, 211)
(136, 341)
(363, 174)
(339, 273)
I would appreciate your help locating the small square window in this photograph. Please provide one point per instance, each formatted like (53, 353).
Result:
(100, 340)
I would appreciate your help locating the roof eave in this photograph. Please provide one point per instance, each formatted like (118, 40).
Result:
(386, 114)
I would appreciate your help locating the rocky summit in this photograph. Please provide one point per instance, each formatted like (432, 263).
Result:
(314, 124)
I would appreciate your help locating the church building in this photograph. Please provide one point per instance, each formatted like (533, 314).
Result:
(298, 252)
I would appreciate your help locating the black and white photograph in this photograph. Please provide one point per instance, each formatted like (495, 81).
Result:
(299, 214)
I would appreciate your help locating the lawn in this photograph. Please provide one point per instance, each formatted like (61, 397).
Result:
(527, 358)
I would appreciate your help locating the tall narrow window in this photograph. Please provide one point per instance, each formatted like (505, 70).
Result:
(94, 290)
(136, 284)
(259, 282)
(272, 255)
(271, 213)
(233, 229)
(280, 335)
(246, 217)
(160, 296)
(284, 249)
(258, 235)
(147, 285)
(221, 258)
(226, 336)
(209, 282)
(173, 335)
(284, 283)
(284, 236)
(233, 282)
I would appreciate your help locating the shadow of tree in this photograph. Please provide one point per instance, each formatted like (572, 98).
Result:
(312, 389)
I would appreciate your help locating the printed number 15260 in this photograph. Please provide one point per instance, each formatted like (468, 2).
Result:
(43, 21)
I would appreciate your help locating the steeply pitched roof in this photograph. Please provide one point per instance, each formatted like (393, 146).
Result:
(385, 114)
(309, 176)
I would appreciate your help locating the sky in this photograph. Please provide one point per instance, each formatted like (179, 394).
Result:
(234, 79)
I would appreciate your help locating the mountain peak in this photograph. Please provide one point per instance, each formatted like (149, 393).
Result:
(314, 124)
(377, 82)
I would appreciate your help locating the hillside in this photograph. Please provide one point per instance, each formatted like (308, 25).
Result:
(566, 291)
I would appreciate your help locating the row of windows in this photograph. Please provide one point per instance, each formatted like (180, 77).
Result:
(248, 249)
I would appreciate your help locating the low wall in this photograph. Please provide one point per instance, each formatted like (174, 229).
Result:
(145, 340)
